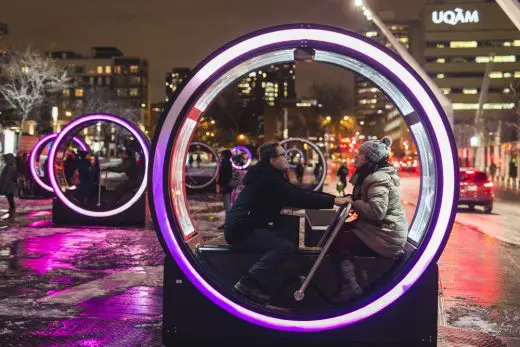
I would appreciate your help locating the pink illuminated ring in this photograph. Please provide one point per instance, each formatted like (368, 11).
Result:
(78, 124)
(36, 151)
(244, 149)
(421, 111)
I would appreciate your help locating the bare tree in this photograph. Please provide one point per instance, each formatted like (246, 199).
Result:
(104, 100)
(28, 77)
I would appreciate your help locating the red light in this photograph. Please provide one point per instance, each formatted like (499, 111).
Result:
(488, 184)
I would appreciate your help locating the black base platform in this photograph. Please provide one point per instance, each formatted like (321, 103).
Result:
(134, 216)
(190, 319)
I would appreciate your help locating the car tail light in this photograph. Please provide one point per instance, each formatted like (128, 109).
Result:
(488, 184)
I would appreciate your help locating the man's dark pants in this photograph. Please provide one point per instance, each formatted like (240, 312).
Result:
(271, 270)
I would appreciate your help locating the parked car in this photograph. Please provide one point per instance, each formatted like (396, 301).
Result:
(476, 189)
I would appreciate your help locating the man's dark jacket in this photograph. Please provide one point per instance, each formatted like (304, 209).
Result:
(266, 192)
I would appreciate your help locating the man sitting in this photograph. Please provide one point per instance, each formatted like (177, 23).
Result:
(249, 223)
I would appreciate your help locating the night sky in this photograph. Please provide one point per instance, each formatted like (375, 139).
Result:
(175, 33)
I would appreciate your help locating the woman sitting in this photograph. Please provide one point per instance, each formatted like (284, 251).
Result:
(381, 228)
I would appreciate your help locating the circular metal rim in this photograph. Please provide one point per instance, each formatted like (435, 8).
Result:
(212, 150)
(320, 153)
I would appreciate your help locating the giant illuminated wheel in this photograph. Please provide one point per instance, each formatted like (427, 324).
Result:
(77, 125)
(316, 149)
(422, 112)
(237, 149)
(35, 153)
(198, 185)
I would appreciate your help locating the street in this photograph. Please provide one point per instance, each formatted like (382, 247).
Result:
(101, 286)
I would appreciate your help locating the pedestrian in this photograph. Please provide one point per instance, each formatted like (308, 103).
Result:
(250, 223)
(317, 171)
(299, 171)
(190, 161)
(492, 170)
(8, 183)
(381, 227)
(225, 174)
(21, 167)
(342, 173)
(133, 173)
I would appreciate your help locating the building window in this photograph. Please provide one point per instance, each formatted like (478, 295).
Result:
(463, 44)
(371, 33)
(490, 106)
(440, 75)
(134, 92)
(122, 92)
(78, 92)
(497, 59)
(91, 81)
(506, 91)
(108, 69)
(446, 90)
(117, 69)
(440, 60)
(516, 43)
(107, 80)
(134, 69)
(100, 70)
(469, 91)
(66, 92)
(100, 81)
(496, 74)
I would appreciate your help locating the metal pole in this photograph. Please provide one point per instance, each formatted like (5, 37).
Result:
(299, 295)
(479, 121)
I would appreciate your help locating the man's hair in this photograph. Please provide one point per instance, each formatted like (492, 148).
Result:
(268, 151)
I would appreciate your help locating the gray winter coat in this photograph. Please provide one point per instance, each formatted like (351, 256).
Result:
(381, 223)
(8, 176)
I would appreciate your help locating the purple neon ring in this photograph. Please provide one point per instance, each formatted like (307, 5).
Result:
(249, 159)
(338, 41)
(82, 121)
(36, 150)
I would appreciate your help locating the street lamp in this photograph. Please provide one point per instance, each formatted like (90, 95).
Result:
(403, 52)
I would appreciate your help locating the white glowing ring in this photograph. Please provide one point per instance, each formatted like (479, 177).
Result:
(82, 122)
(180, 118)
(320, 153)
(36, 151)
(215, 154)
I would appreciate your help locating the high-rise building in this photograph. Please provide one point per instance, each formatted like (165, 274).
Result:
(107, 70)
(272, 84)
(174, 79)
(372, 106)
(461, 38)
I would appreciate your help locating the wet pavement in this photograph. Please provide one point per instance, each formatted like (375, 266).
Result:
(103, 286)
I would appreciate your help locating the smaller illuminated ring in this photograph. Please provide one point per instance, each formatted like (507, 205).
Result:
(318, 150)
(294, 149)
(84, 121)
(209, 148)
(248, 162)
(37, 149)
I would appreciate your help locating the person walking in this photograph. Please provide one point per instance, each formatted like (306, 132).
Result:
(8, 183)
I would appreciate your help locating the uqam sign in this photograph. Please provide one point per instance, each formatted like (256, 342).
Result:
(454, 17)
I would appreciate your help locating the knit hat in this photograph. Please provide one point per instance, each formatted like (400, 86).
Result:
(376, 150)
